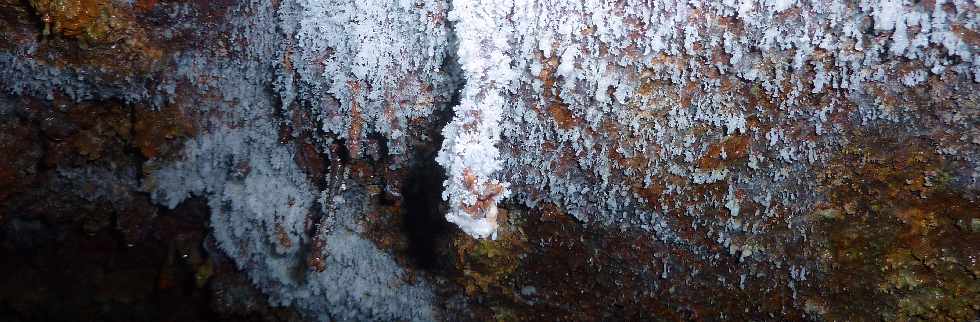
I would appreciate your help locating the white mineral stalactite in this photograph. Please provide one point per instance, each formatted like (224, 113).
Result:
(469, 152)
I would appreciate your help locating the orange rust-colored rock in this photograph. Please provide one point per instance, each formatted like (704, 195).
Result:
(735, 149)
(158, 133)
(905, 245)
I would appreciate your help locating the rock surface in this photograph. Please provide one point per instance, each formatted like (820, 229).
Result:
(489, 160)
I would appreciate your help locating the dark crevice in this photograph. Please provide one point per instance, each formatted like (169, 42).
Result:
(342, 152)
(429, 234)
(423, 223)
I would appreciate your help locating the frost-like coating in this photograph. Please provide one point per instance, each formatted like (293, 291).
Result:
(469, 152)
(707, 124)
(625, 112)
(365, 66)
(262, 203)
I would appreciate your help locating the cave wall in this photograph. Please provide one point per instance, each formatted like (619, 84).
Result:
(624, 160)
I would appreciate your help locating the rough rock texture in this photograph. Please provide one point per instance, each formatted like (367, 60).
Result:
(489, 160)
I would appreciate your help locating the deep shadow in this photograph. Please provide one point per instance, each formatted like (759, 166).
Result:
(429, 234)
(423, 223)
(55, 271)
